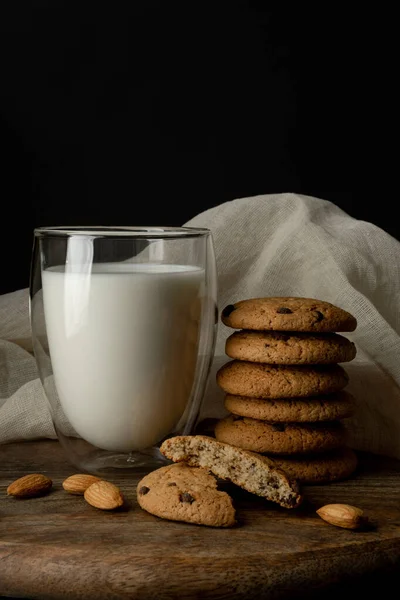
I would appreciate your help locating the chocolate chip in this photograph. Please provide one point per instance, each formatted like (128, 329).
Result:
(278, 426)
(266, 345)
(171, 484)
(319, 315)
(144, 490)
(283, 310)
(228, 310)
(186, 497)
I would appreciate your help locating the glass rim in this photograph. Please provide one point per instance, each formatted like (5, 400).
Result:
(109, 231)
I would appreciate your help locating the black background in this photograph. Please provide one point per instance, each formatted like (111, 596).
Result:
(129, 113)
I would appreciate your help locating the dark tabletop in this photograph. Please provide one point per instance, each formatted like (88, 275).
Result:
(59, 547)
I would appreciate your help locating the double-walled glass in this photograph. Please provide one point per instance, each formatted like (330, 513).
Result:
(124, 323)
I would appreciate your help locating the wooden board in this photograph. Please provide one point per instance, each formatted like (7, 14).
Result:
(59, 547)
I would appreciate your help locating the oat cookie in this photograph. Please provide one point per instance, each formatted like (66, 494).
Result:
(179, 492)
(322, 468)
(252, 472)
(287, 314)
(281, 348)
(280, 438)
(260, 380)
(296, 410)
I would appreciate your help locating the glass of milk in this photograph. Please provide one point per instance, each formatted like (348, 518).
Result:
(124, 322)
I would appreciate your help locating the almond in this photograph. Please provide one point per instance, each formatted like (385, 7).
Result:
(29, 486)
(343, 515)
(104, 495)
(77, 484)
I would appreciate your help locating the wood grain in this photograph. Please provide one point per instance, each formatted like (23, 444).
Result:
(59, 547)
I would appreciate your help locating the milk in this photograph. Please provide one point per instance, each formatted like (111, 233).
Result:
(123, 345)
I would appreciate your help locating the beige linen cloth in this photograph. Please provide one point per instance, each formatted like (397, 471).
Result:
(267, 245)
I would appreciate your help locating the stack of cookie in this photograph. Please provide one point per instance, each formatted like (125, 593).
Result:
(285, 387)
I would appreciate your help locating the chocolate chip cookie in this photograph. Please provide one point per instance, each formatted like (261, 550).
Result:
(179, 492)
(277, 348)
(255, 473)
(298, 410)
(280, 438)
(260, 380)
(320, 468)
(287, 314)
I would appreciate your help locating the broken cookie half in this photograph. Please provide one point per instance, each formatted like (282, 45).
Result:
(255, 473)
(179, 492)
